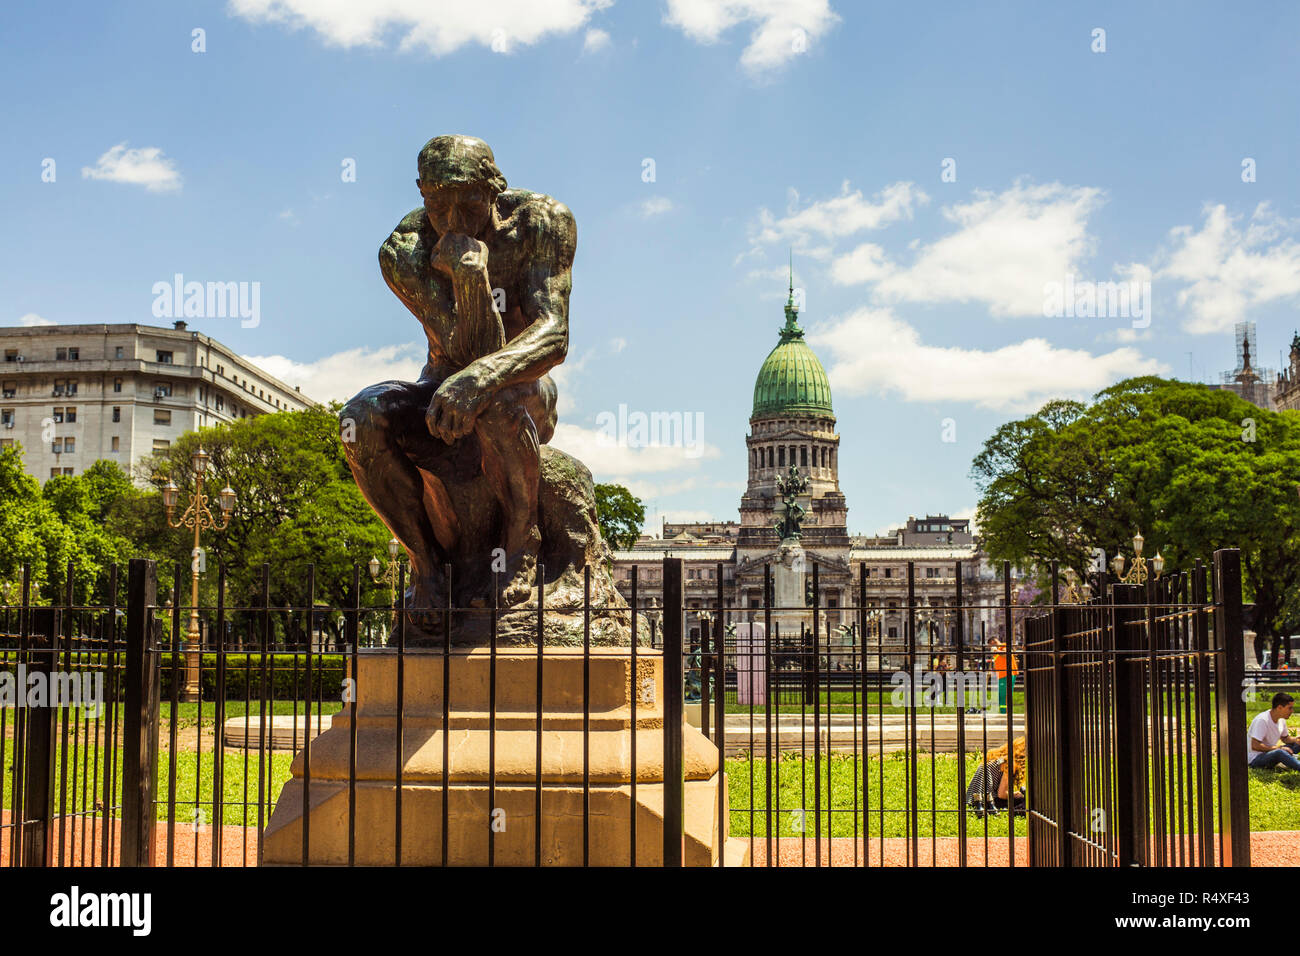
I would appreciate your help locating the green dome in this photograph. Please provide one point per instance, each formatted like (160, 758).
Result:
(792, 381)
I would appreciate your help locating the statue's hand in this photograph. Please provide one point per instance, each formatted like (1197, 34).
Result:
(456, 405)
(456, 253)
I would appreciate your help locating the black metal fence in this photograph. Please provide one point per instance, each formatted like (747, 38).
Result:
(849, 749)
(1137, 723)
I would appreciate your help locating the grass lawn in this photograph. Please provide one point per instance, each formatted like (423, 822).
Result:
(1274, 796)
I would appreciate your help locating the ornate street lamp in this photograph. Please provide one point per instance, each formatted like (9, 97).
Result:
(199, 517)
(1138, 572)
(389, 573)
(1075, 592)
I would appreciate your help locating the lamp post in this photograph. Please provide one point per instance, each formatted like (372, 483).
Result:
(389, 573)
(199, 517)
(1076, 593)
(1138, 572)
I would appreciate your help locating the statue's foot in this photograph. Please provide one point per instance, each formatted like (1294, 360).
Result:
(521, 581)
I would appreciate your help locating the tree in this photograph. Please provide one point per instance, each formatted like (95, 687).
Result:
(298, 506)
(620, 515)
(65, 522)
(1193, 468)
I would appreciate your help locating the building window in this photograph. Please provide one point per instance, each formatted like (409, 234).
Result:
(889, 572)
(71, 415)
(780, 457)
(74, 355)
(162, 416)
(72, 386)
(58, 416)
(162, 390)
(7, 418)
(56, 446)
(221, 370)
(117, 385)
(118, 353)
(6, 443)
(69, 445)
(931, 572)
(893, 633)
(11, 355)
(221, 403)
(161, 444)
(60, 355)
(117, 413)
(9, 389)
(803, 455)
(164, 358)
(114, 444)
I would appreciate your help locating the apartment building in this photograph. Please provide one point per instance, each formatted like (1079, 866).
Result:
(73, 394)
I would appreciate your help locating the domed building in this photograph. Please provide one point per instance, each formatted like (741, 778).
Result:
(792, 423)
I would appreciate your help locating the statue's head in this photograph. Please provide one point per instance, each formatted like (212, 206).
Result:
(459, 181)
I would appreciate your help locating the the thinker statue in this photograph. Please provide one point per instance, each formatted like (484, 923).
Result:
(454, 462)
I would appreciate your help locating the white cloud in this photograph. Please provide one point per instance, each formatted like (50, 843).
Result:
(875, 352)
(289, 216)
(31, 320)
(1226, 270)
(839, 216)
(782, 29)
(595, 41)
(1005, 250)
(438, 28)
(617, 344)
(656, 206)
(613, 461)
(343, 374)
(145, 167)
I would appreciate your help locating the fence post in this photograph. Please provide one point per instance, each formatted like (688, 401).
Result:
(140, 723)
(1130, 730)
(1229, 671)
(1061, 718)
(38, 786)
(674, 691)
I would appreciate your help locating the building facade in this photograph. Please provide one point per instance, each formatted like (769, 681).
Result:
(1286, 390)
(74, 394)
(793, 423)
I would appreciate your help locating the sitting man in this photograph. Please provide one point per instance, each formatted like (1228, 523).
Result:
(486, 270)
(1269, 742)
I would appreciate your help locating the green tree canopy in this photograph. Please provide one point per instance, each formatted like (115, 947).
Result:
(1193, 468)
(620, 515)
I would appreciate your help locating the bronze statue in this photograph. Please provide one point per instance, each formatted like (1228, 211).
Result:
(454, 463)
(790, 524)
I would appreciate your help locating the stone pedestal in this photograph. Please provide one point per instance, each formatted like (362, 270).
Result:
(788, 591)
(513, 752)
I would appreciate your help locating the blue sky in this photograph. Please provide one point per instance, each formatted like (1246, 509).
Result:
(814, 124)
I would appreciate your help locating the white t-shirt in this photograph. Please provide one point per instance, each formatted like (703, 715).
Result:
(1268, 732)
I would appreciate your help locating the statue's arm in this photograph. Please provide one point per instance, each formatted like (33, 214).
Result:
(550, 238)
(401, 265)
